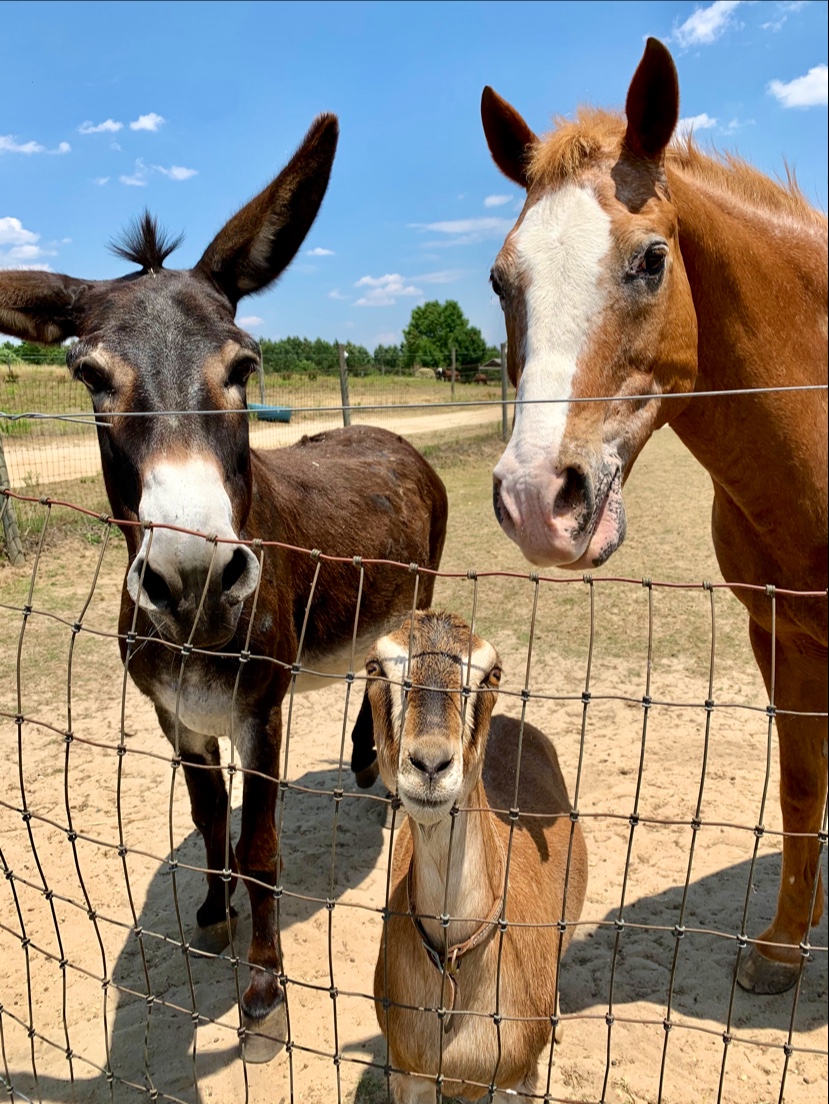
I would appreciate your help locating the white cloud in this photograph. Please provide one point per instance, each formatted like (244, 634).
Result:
(320, 252)
(784, 10)
(250, 321)
(496, 200)
(384, 290)
(465, 231)
(176, 172)
(692, 123)
(108, 126)
(101, 180)
(336, 294)
(807, 91)
(706, 25)
(150, 121)
(445, 276)
(138, 179)
(64, 147)
(12, 232)
(9, 144)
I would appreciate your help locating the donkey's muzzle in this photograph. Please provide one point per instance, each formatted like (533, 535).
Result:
(192, 588)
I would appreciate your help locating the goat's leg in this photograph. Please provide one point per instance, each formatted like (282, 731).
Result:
(363, 751)
(209, 809)
(263, 1002)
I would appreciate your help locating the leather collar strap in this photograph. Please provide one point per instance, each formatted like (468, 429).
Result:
(449, 964)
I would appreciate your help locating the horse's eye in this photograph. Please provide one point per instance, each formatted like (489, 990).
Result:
(93, 378)
(497, 286)
(240, 372)
(651, 263)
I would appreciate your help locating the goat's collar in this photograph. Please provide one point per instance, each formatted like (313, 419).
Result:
(447, 961)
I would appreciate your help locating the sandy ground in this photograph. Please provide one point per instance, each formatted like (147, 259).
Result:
(38, 461)
(154, 1046)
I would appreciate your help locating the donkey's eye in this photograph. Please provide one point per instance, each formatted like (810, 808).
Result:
(240, 372)
(651, 264)
(94, 379)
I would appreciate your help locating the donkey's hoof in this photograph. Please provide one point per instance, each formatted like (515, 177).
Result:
(758, 974)
(366, 777)
(213, 938)
(265, 1036)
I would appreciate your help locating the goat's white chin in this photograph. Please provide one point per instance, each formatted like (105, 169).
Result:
(426, 812)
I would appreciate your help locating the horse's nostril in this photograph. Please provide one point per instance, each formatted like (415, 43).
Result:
(234, 571)
(574, 494)
(156, 588)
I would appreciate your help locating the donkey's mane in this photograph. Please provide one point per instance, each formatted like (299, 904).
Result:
(145, 243)
(594, 134)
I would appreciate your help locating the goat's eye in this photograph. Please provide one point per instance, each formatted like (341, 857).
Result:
(373, 668)
(93, 378)
(240, 372)
(651, 264)
(493, 678)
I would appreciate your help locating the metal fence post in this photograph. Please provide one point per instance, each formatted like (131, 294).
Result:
(344, 384)
(504, 386)
(452, 377)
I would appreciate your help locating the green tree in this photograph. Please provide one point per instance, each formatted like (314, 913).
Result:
(434, 328)
(387, 356)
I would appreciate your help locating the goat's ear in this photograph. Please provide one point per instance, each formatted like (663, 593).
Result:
(262, 239)
(509, 138)
(652, 105)
(39, 306)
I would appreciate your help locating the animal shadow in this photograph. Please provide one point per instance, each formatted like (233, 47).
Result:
(168, 1033)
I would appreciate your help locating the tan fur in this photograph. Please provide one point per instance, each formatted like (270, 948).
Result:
(545, 851)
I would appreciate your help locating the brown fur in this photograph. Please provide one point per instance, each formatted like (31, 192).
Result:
(545, 850)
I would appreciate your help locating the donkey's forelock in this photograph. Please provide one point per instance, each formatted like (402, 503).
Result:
(145, 243)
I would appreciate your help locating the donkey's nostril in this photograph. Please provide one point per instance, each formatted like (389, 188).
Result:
(575, 495)
(156, 589)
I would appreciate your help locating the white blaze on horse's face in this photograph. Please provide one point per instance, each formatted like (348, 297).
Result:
(555, 257)
(172, 570)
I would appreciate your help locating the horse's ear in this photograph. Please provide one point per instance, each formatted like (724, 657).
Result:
(509, 138)
(652, 105)
(261, 240)
(39, 306)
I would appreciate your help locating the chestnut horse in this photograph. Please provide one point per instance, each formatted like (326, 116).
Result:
(160, 340)
(646, 269)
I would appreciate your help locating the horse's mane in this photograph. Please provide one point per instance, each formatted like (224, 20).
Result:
(595, 134)
(145, 243)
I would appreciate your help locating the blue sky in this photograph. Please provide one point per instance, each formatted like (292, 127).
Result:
(190, 108)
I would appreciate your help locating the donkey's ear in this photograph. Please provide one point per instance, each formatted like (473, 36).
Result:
(39, 306)
(509, 138)
(652, 106)
(261, 240)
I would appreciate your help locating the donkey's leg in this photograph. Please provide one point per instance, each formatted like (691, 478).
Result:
(800, 685)
(363, 751)
(209, 809)
(263, 1002)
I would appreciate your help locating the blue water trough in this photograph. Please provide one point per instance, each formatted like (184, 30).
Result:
(270, 413)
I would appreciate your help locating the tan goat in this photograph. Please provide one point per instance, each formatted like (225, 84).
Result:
(441, 750)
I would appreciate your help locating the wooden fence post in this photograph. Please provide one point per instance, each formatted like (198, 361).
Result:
(14, 549)
(504, 386)
(452, 377)
(344, 384)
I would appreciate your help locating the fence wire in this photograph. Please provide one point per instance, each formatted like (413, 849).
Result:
(125, 1006)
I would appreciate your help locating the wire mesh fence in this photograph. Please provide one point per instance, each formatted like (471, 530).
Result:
(671, 768)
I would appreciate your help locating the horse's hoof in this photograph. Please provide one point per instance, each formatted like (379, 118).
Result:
(366, 777)
(758, 974)
(213, 938)
(265, 1036)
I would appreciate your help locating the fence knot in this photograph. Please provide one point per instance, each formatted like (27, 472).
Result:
(533, 577)
(357, 561)
(31, 1032)
(561, 925)
(823, 837)
(574, 816)
(49, 894)
(69, 1054)
(771, 590)
(414, 568)
(44, 500)
(63, 963)
(315, 554)
(226, 875)
(586, 697)
(396, 802)
(525, 694)
(633, 820)
(647, 701)
(71, 835)
(329, 904)
(709, 705)
(296, 669)
(244, 655)
(8, 874)
(121, 751)
(696, 824)
(727, 1037)
(466, 691)
(68, 737)
(27, 609)
(26, 816)
(619, 924)
(172, 864)
(679, 931)
(788, 1049)
(350, 677)
(742, 941)
(514, 812)
(407, 684)
(759, 831)
(707, 584)
(667, 1024)
(186, 649)
(333, 992)
(256, 543)
(25, 942)
(137, 931)
(277, 893)
(587, 578)
(503, 924)
(338, 793)
(497, 1019)
(647, 583)
(444, 919)
(76, 627)
(471, 573)
(771, 710)
(19, 719)
(609, 1019)
(131, 636)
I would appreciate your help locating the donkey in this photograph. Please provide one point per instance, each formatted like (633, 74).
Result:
(160, 340)
(646, 269)
(432, 685)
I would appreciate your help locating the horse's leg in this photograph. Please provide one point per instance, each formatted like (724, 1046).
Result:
(263, 1002)
(363, 751)
(209, 809)
(800, 685)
